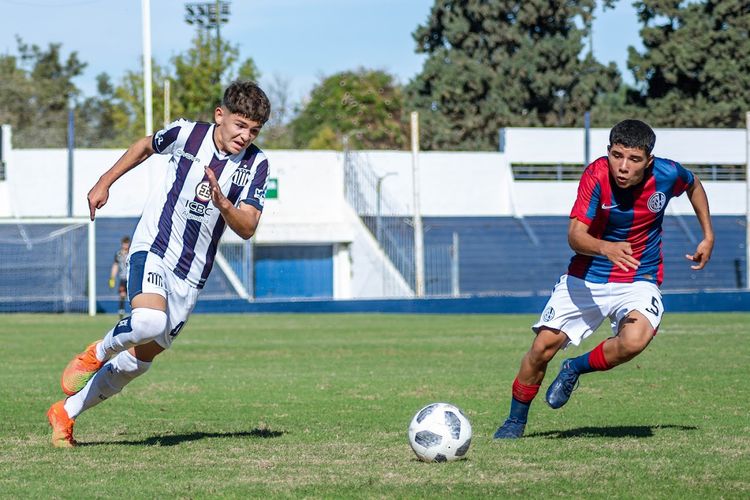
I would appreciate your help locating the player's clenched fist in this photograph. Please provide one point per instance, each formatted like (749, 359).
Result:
(217, 197)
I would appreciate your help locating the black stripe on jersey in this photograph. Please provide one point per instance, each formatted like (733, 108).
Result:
(192, 145)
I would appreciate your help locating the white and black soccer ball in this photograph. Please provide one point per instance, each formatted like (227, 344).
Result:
(440, 432)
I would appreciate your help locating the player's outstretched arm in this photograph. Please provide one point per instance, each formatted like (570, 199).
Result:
(618, 252)
(135, 155)
(243, 220)
(698, 198)
(112, 273)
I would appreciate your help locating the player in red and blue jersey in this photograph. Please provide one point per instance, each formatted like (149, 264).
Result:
(615, 231)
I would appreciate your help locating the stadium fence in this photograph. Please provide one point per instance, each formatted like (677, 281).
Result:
(47, 265)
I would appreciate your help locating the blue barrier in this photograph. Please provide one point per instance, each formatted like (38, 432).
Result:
(701, 301)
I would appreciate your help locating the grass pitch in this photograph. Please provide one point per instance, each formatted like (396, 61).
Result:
(318, 406)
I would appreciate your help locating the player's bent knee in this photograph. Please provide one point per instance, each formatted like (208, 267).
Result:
(632, 345)
(147, 324)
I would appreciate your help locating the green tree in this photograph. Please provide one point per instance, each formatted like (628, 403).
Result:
(276, 133)
(497, 63)
(364, 105)
(37, 87)
(101, 119)
(15, 92)
(197, 81)
(202, 73)
(695, 70)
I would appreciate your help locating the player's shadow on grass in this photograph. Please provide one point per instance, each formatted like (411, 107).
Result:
(629, 431)
(175, 439)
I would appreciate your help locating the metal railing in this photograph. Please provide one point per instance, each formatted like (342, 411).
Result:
(572, 172)
(394, 232)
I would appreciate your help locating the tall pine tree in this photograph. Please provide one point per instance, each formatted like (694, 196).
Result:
(497, 63)
(695, 69)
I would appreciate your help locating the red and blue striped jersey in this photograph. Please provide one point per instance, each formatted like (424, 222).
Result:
(632, 214)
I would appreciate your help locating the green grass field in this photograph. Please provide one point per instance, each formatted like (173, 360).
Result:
(318, 406)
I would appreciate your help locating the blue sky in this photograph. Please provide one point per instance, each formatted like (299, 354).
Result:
(297, 40)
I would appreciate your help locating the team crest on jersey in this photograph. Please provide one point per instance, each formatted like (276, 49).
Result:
(203, 191)
(241, 177)
(657, 201)
(548, 314)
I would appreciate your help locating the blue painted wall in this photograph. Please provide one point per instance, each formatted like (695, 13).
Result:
(293, 271)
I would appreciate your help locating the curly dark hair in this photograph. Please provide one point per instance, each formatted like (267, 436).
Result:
(247, 99)
(633, 134)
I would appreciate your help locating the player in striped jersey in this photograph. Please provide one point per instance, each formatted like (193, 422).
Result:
(216, 177)
(615, 231)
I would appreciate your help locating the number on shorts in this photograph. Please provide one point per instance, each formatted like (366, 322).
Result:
(655, 309)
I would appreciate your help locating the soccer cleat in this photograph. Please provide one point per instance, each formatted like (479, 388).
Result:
(511, 429)
(563, 386)
(62, 426)
(80, 370)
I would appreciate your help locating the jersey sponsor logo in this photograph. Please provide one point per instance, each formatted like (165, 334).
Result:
(203, 191)
(241, 177)
(657, 201)
(155, 279)
(185, 154)
(197, 211)
(608, 207)
(548, 314)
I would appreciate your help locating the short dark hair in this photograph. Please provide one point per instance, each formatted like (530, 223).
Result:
(633, 134)
(246, 98)
(125, 239)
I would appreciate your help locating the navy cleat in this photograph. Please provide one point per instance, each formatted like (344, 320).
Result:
(563, 386)
(511, 429)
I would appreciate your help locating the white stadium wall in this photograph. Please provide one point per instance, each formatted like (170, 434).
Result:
(695, 146)
(311, 182)
(311, 209)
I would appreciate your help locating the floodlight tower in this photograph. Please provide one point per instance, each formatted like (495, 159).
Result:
(209, 16)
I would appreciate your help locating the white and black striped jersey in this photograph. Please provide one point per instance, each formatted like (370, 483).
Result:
(180, 222)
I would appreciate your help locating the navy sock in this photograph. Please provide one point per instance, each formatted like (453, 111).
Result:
(519, 411)
(581, 364)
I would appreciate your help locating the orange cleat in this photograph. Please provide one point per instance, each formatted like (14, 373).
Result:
(62, 426)
(80, 370)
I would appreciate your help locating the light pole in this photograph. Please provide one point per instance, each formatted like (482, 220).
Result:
(148, 109)
(209, 15)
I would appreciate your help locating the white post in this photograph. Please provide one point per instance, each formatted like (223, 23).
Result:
(747, 200)
(342, 271)
(418, 233)
(455, 284)
(92, 267)
(167, 117)
(147, 97)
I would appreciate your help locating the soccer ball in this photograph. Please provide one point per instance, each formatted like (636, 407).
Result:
(440, 432)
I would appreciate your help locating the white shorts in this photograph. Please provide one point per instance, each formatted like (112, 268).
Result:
(578, 307)
(149, 274)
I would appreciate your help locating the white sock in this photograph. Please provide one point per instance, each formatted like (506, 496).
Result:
(108, 381)
(141, 327)
(101, 355)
